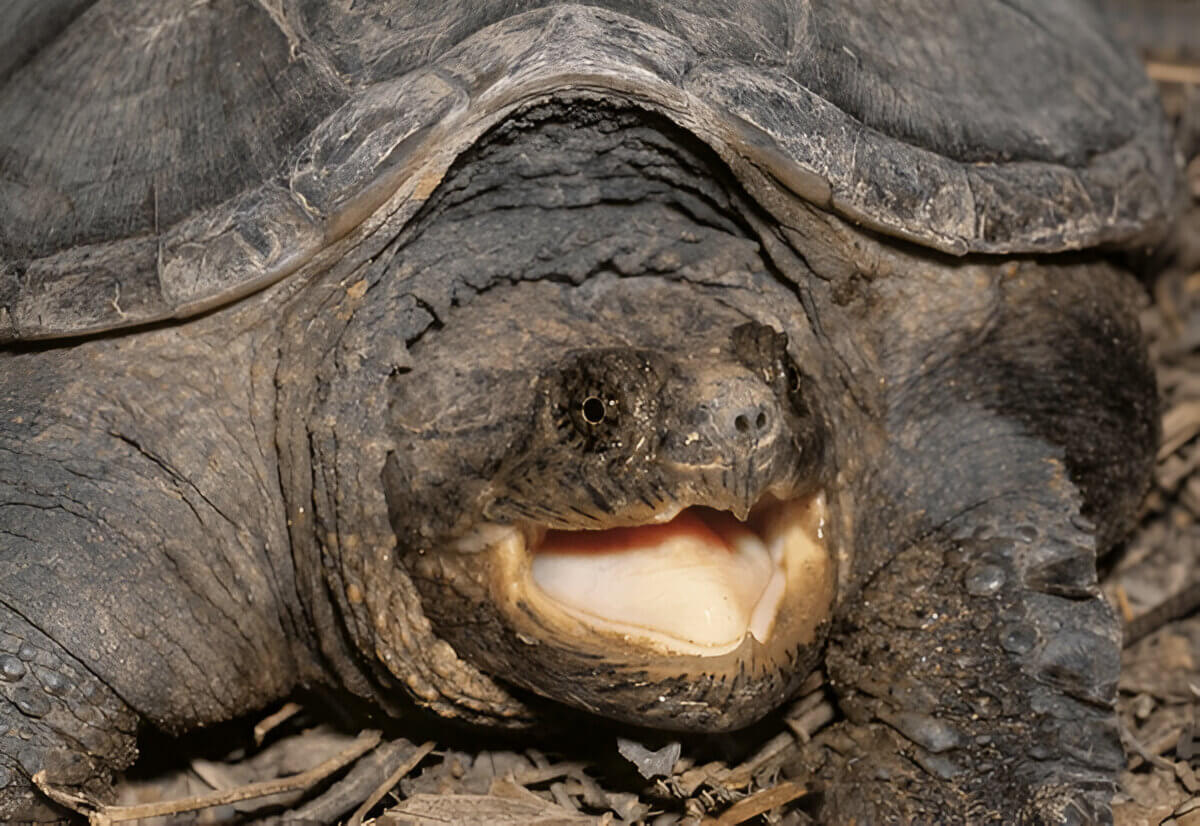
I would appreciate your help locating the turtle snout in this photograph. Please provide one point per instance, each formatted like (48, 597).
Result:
(740, 410)
(734, 428)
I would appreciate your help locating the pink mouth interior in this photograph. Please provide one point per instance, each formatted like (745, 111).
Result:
(713, 528)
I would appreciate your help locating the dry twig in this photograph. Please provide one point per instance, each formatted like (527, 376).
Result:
(99, 814)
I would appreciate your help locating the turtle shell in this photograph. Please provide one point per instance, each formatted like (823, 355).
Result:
(163, 157)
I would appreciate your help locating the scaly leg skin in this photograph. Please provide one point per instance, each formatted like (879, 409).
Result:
(977, 666)
(57, 717)
(979, 675)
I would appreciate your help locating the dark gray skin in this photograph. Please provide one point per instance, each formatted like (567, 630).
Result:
(199, 516)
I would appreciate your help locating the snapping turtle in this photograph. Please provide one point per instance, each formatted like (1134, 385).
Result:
(618, 355)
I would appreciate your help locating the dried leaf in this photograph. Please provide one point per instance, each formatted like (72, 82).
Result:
(650, 764)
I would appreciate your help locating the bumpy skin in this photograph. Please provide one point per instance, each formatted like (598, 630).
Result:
(197, 516)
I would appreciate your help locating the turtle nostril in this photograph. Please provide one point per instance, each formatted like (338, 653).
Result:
(744, 423)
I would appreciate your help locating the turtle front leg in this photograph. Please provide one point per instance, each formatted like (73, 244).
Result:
(978, 671)
(145, 572)
(974, 657)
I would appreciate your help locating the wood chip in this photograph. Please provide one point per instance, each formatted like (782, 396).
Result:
(1165, 72)
(1156, 747)
(1123, 603)
(650, 764)
(692, 779)
(761, 803)
(1188, 777)
(535, 776)
(740, 777)
(811, 721)
(389, 784)
(1180, 425)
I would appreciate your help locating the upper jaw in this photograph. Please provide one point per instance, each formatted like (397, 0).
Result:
(635, 495)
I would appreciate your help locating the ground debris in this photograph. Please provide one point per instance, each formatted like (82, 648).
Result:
(650, 764)
(1155, 580)
(481, 809)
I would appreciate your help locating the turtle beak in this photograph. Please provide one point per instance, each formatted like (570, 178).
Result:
(736, 453)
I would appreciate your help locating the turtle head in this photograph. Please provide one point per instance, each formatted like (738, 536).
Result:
(626, 436)
(624, 520)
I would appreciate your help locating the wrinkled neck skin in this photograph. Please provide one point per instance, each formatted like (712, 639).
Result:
(592, 326)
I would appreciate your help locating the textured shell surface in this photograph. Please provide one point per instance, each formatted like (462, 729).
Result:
(164, 157)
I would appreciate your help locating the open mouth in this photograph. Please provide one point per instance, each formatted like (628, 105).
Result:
(698, 583)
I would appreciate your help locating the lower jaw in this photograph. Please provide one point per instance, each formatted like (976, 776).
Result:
(685, 694)
(521, 636)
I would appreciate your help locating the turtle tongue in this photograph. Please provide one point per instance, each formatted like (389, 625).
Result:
(692, 584)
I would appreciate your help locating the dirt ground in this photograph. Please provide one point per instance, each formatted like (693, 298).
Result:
(1160, 679)
(591, 777)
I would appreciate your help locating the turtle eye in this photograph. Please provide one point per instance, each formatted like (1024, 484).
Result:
(592, 410)
(792, 377)
(592, 421)
(794, 383)
(598, 395)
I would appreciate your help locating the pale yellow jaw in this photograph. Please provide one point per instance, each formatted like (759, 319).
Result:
(697, 585)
